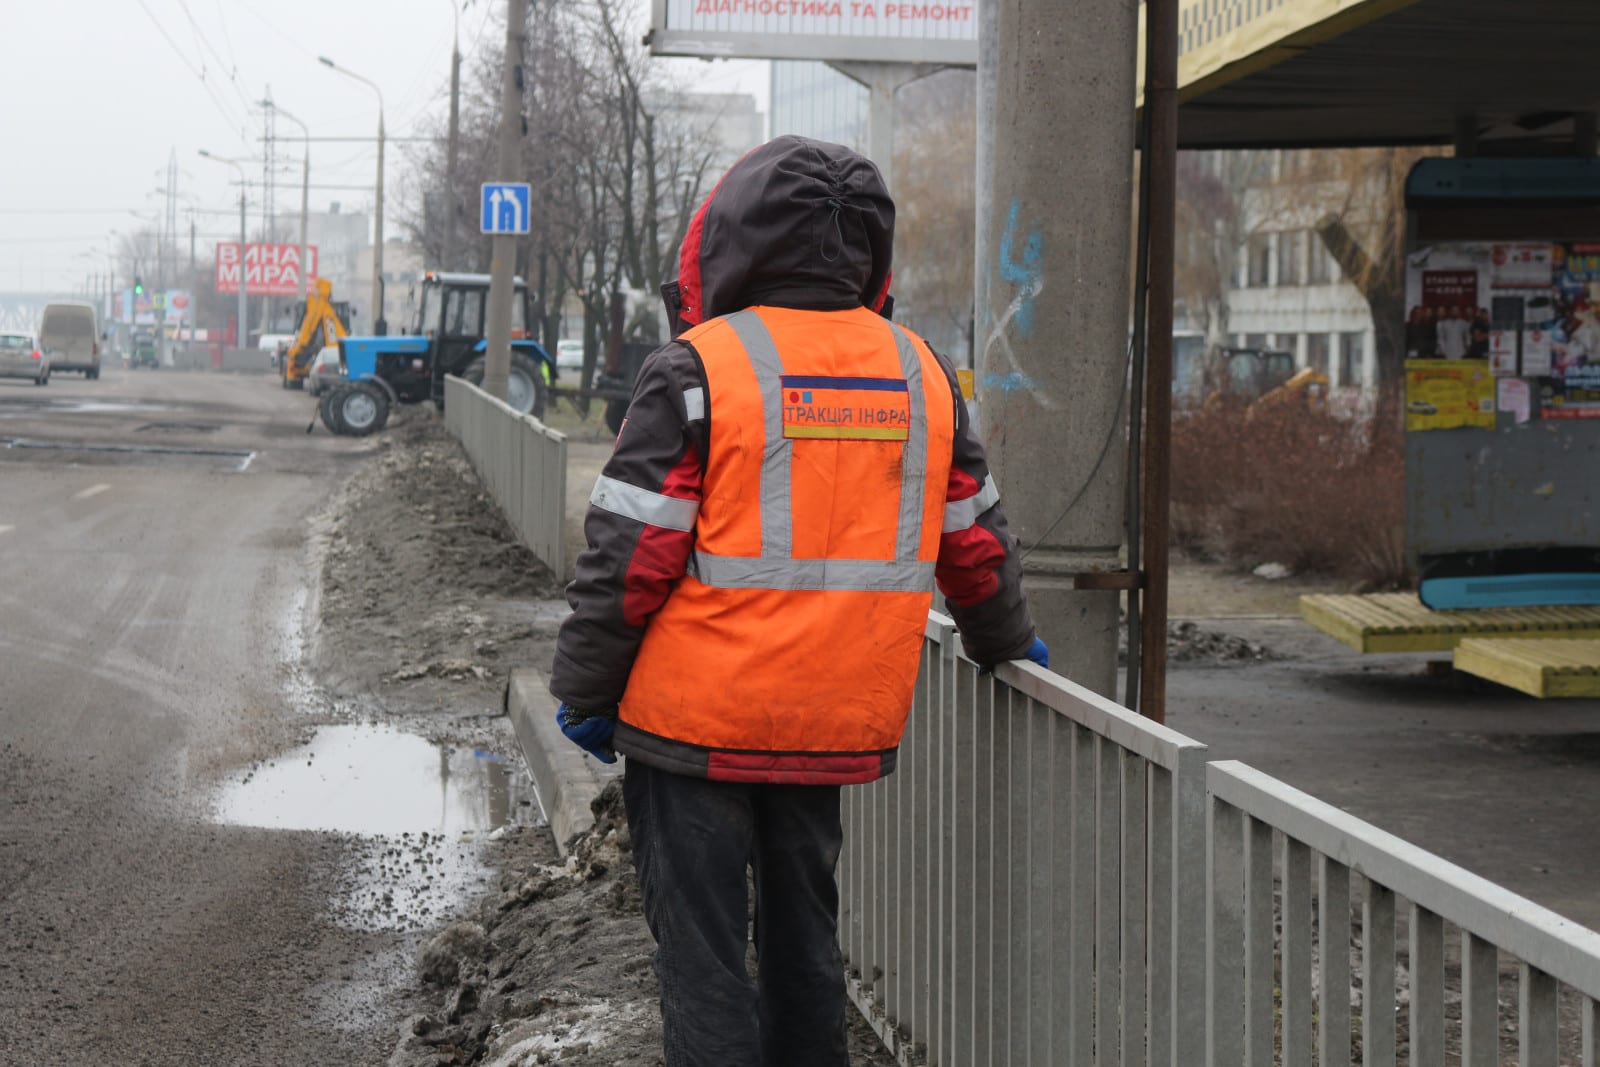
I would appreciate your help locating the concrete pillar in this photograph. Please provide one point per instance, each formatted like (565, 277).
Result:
(882, 81)
(1053, 337)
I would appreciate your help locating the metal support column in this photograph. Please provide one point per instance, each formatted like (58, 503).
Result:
(1161, 99)
(503, 253)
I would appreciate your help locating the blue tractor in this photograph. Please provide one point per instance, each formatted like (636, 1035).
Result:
(380, 372)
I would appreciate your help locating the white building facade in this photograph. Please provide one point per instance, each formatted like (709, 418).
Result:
(1282, 288)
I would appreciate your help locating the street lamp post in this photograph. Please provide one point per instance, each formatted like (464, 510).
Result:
(379, 324)
(242, 339)
(305, 197)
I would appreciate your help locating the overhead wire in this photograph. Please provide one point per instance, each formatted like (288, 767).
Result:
(233, 123)
(204, 44)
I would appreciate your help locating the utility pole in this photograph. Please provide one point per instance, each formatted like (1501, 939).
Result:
(1052, 334)
(268, 169)
(452, 195)
(503, 252)
(242, 334)
(304, 269)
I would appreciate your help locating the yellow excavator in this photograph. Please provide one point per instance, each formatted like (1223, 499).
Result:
(1264, 379)
(321, 325)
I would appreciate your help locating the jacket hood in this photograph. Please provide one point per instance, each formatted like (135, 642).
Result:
(794, 223)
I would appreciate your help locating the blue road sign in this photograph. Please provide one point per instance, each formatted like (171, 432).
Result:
(505, 207)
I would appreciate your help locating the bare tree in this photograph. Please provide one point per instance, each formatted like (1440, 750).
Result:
(934, 194)
(1365, 234)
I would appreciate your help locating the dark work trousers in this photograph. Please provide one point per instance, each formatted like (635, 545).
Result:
(693, 840)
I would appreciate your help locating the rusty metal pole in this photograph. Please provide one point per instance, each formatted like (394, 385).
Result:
(1161, 98)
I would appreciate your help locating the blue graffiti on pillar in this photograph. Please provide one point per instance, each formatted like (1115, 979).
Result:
(1026, 274)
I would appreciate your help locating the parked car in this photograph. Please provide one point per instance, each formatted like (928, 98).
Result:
(70, 334)
(325, 371)
(569, 355)
(21, 357)
(275, 345)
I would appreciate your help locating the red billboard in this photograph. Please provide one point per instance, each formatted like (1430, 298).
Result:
(269, 270)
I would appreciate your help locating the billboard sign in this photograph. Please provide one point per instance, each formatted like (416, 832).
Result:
(897, 31)
(269, 269)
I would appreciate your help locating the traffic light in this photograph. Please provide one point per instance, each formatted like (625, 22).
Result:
(138, 287)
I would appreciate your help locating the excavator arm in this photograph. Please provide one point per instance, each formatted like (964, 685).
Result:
(319, 328)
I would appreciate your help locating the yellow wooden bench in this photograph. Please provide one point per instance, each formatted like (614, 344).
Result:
(1398, 622)
(1541, 667)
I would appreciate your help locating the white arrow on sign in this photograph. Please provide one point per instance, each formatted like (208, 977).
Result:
(494, 208)
(515, 203)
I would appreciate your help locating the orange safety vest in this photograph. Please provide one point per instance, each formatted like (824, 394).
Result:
(789, 652)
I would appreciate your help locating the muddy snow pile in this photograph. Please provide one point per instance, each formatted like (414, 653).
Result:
(1189, 642)
(427, 597)
(556, 966)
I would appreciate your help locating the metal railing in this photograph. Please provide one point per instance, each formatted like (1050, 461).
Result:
(1050, 879)
(523, 464)
(1023, 890)
(1281, 986)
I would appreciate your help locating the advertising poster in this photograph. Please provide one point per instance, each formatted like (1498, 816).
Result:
(1443, 394)
(1529, 309)
(1447, 300)
(269, 269)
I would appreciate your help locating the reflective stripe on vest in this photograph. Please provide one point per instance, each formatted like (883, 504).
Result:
(642, 505)
(776, 567)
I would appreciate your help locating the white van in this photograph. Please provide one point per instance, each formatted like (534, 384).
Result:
(70, 332)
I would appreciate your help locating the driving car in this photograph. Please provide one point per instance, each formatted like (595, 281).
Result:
(21, 357)
(70, 332)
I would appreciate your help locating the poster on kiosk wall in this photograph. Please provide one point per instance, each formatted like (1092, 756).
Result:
(1527, 309)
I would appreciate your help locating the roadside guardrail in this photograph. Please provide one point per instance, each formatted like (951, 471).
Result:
(523, 464)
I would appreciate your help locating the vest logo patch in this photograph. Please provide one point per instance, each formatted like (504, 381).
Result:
(846, 409)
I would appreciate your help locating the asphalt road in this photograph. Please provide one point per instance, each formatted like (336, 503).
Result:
(147, 607)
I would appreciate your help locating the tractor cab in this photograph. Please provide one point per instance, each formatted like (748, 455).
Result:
(450, 337)
(452, 313)
(1251, 373)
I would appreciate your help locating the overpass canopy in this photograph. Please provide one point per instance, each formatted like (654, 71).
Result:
(1340, 73)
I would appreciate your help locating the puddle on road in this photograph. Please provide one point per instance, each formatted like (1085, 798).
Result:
(372, 779)
(419, 813)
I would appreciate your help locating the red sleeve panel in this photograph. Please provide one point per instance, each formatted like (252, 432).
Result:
(970, 557)
(661, 555)
(979, 570)
(639, 529)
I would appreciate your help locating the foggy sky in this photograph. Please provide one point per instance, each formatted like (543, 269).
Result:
(94, 97)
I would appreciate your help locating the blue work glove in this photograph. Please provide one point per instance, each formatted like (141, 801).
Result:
(1039, 652)
(589, 730)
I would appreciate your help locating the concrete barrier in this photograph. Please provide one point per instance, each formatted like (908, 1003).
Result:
(523, 464)
(566, 779)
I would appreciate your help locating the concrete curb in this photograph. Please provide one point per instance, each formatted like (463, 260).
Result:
(565, 777)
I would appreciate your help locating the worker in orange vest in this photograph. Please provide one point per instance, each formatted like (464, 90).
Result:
(794, 473)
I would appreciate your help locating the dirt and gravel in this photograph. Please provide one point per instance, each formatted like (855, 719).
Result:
(426, 602)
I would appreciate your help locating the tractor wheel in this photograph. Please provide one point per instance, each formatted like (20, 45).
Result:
(525, 390)
(328, 413)
(361, 408)
(93, 375)
(616, 412)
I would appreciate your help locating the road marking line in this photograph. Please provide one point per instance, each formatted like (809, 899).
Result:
(93, 490)
(6, 529)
